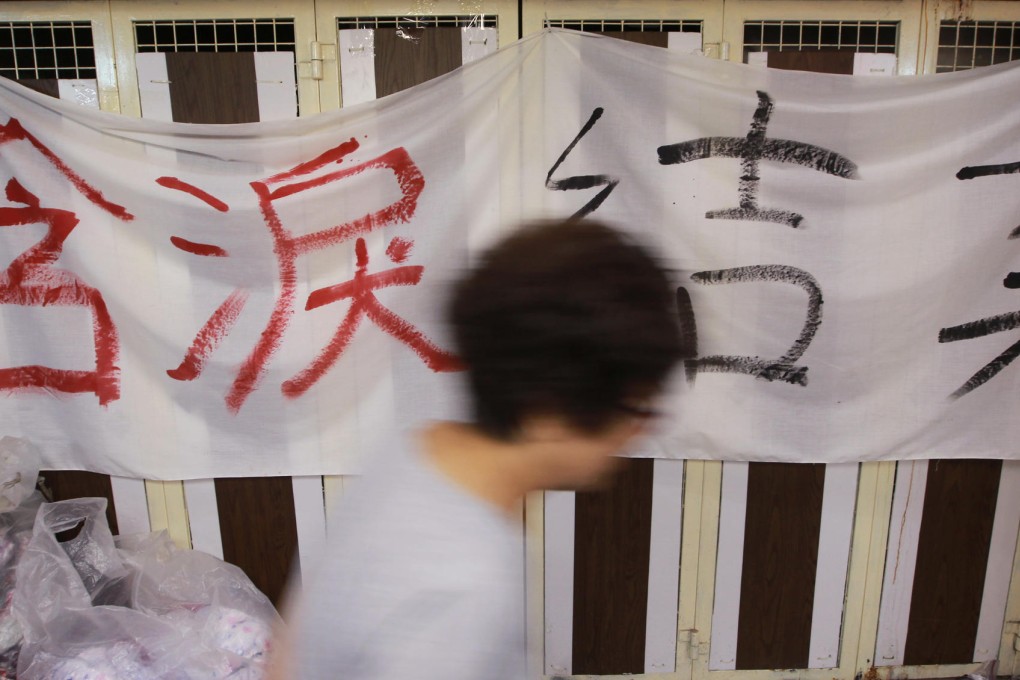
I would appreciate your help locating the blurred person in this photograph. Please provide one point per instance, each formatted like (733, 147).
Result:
(568, 332)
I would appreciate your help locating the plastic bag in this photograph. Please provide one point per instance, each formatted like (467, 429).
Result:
(137, 609)
(19, 469)
(214, 602)
(19, 502)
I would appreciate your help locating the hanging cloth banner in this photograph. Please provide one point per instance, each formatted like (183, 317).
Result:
(182, 301)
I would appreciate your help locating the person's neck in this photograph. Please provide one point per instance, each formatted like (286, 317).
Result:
(490, 469)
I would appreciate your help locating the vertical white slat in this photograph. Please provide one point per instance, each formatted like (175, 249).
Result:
(664, 566)
(204, 516)
(684, 42)
(901, 559)
(357, 65)
(275, 84)
(874, 64)
(154, 86)
(167, 499)
(310, 518)
(84, 91)
(559, 582)
(130, 504)
(729, 567)
(129, 499)
(835, 534)
(476, 43)
(1000, 564)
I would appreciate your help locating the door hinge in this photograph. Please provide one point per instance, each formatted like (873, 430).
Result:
(318, 53)
(719, 50)
(693, 642)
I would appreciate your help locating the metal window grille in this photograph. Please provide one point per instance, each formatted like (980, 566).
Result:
(215, 35)
(46, 49)
(968, 44)
(637, 25)
(859, 36)
(415, 22)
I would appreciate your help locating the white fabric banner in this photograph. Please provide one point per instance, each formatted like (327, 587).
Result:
(186, 301)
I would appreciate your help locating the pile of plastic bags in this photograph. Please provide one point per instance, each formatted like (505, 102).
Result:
(98, 608)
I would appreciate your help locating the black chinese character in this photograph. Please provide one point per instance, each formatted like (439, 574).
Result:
(752, 150)
(783, 368)
(992, 324)
(582, 181)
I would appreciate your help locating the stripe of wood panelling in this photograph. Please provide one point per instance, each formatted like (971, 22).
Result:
(213, 87)
(132, 505)
(47, 86)
(1000, 564)
(653, 38)
(729, 566)
(356, 53)
(834, 538)
(612, 535)
(274, 81)
(203, 516)
(952, 558)
(309, 519)
(784, 514)
(67, 484)
(407, 57)
(559, 582)
(259, 530)
(841, 61)
(257, 524)
(664, 566)
(477, 42)
(900, 561)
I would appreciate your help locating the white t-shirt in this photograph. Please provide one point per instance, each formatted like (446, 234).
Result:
(419, 581)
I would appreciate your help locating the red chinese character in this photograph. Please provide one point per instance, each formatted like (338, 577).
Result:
(288, 247)
(222, 320)
(364, 303)
(31, 280)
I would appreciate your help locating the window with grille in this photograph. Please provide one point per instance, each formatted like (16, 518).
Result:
(859, 36)
(627, 25)
(413, 22)
(968, 44)
(215, 35)
(46, 50)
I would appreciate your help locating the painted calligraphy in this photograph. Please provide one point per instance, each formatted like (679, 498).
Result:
(288, 247)
(753, 149)
(32, 280)
(580, 182)
(364, 303)
(992, 324)
(783, 368)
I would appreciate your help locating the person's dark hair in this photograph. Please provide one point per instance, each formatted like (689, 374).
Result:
(571, 319)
